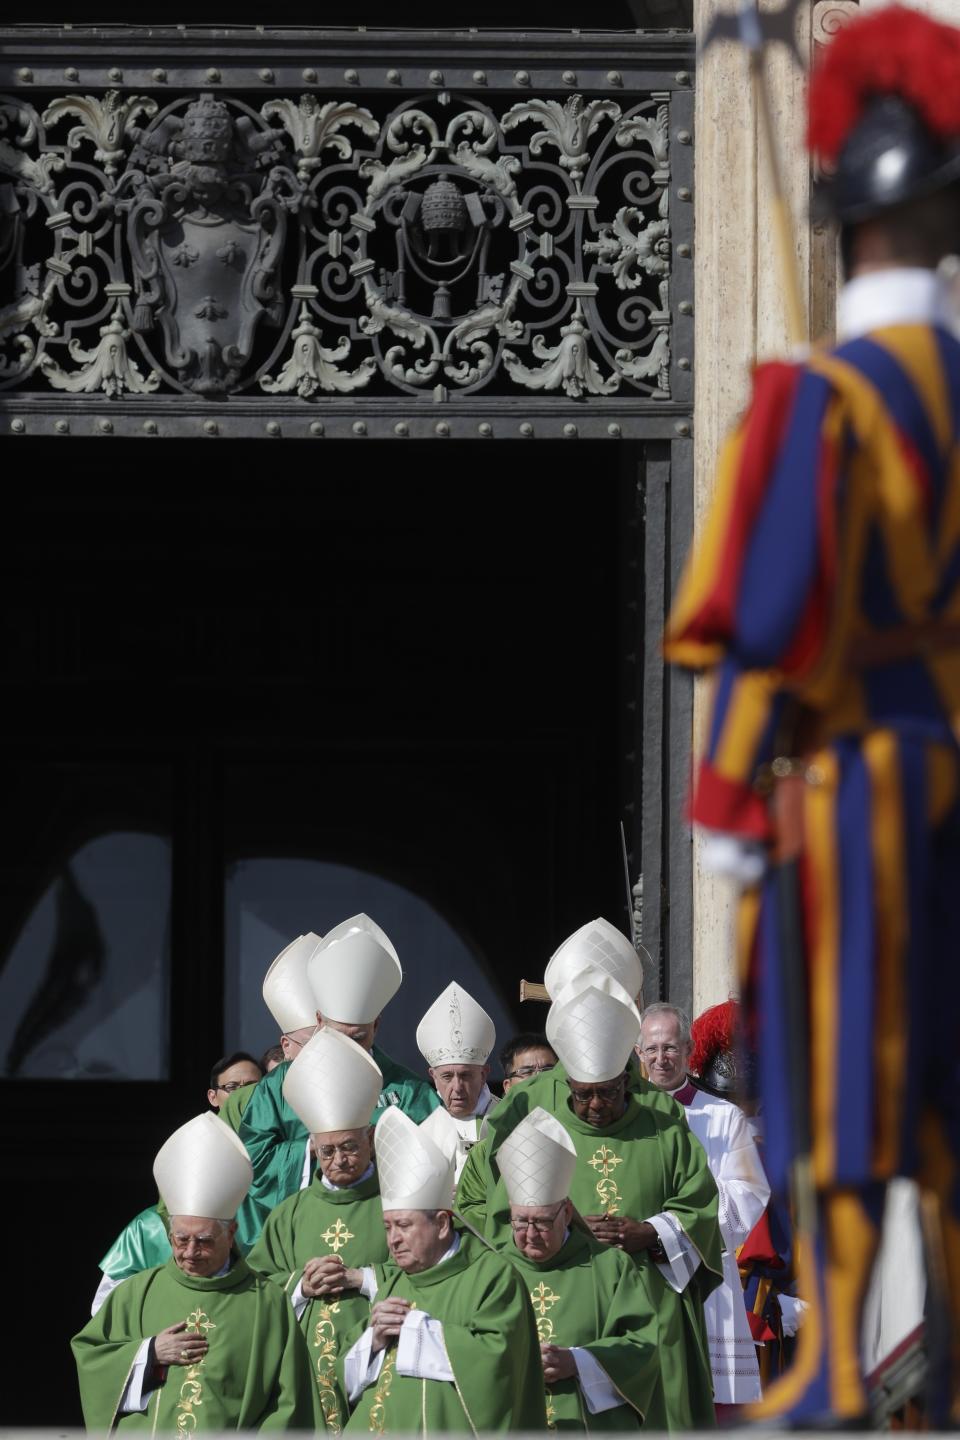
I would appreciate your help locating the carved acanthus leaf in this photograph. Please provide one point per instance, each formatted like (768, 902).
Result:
(313, 367)
(314, 128)
(656, 362)
(568, 365)
(107, 366)
(13, 157)
(383, 316)
(105, 122)
(568, 127)
(411, 155)
(653, 130)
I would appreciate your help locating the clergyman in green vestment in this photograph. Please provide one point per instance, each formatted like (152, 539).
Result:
(451, 1344)
(596, 1321)
(201, 1342)
(642, 1182)
(320, 1245)
(343, 982)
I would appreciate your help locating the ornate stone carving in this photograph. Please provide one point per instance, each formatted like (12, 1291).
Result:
(451, 245)
(567, 365)
(106, 123)
(311, 367)
(107, 367)
(314, 128)
(206, 230)
(829, 16)
(567, 127)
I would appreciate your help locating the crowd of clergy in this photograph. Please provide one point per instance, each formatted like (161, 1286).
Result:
(345, 1245)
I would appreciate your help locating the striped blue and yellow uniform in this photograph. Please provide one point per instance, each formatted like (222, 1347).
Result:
(824, 597)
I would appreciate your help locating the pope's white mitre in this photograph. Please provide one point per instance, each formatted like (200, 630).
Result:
(333, 1084)
(354, 971)
(287, 991)
(203, 1169)
(455, 1030)
(592, 1030)
(595, 946)
(414, 1174)
(537, 1160)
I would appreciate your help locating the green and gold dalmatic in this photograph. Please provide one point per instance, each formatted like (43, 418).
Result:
(491, 1342)
(320, 1221)
(255, 1374)
(592, 1296)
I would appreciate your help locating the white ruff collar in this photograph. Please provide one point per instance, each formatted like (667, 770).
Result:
(904, 296)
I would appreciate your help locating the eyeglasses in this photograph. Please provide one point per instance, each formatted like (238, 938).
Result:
(650, 1052)
(598, 1092)
(543, 1225)
(525, 1071)
(232, 1085)
(327, 1152)
(199, 1242)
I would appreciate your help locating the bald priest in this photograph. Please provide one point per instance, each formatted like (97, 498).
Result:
(200, 1343)
(451, 1343)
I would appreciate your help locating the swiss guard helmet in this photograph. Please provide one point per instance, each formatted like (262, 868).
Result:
(717, 1058)
(885, 113)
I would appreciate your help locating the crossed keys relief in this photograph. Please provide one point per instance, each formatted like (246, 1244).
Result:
(316, 246)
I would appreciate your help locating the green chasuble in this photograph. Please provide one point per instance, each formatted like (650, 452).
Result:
(646, 1162)
(490, 1338)
(231, 1111)
(276, 1138)
(141, 1244)
(548, 1090)
(255, 1375)
(593, 1296)
(319, 1221)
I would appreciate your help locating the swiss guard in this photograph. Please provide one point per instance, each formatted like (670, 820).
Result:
(824, 598)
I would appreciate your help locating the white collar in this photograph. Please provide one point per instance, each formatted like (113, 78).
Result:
(899, 296)
(454, 1246)
(328, 1184)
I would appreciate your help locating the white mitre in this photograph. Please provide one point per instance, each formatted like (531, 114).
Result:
(287, 992)
(333, 1084)
(537, 1160)
(354, 971)
(203, 1169)
(593, 1026)
(456, 1030)
(414, 1174)
(595, 946)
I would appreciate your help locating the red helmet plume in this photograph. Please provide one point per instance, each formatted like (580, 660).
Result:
(893, 52)
(714, 1031)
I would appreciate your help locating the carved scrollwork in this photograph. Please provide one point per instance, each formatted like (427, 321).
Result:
(314, 128)
(312, 367)
(566, 127)
(207, 247)
(108, 366)
(107, 123)
(567, 366)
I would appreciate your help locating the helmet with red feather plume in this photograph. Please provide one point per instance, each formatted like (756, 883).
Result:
(885, 112)
(715, 1036)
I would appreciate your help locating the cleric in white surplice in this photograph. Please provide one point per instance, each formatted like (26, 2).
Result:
(722, 1129)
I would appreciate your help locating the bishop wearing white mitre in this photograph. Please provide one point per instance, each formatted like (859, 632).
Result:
(455, 1037)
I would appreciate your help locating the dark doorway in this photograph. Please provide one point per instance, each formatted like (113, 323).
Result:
(405, 659)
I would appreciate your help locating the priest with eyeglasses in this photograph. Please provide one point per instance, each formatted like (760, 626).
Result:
(642, 1183)
(596, 1320)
